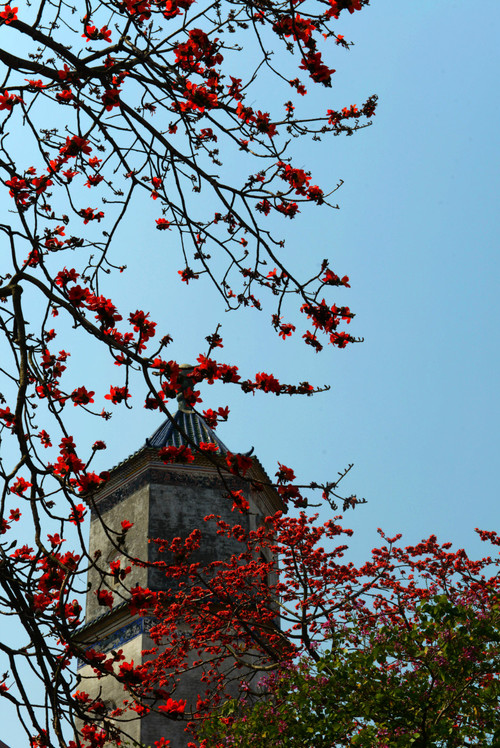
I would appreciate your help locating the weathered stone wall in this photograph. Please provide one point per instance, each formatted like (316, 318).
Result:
(111, 691)
(135, 509)
(177, 510)
(145, 730)
(161, 502)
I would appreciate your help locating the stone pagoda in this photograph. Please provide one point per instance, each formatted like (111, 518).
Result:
(162, 501)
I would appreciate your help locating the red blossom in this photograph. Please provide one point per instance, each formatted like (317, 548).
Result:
(176, 454)
(263, 124)
(318, 71)
(130, 674)
(44, 438)
(191, 396)
(187, 274)
(107, 313)
(111, 98)
(141, 599)
(65, 96)
(239, 501)
(312, 340)
(35, 83)
(285, 329)
(117, 395)
(142, 325)
(173, 707)
(77, 295)
(264, 207)
(81, 396)
(331, 279)
(105, 597)
(238, 464)
(7, 101)
(285, 474)
(210, 417)
(267, 383)
(234, 89)
(300, 28)
(208, 447)
(295, 83)
(18, 189)
(93, 180)
(8, 417)
(207, 133)
(92, 34)
(77, 514)
(96, 737)
(315, 194)
(74, 146)
(90, 214)
(198, 98)
(67, 463)
(90, 481)
(20, 486)
(288, 209)
(9, 14)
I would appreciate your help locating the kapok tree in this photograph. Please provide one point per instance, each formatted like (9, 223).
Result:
(402, 651)
(102, 107)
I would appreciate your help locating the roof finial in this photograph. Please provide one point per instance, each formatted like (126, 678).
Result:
(185, 383)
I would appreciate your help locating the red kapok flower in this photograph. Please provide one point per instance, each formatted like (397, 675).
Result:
(105, 597)
(208, 446)
(239, 501)
(20, 486)
(81, 396)
(173, 707)
(92, 34)
(65, 96)
(117, 394)
(111, 98)
(77, 514)
(176, 454)
(9, 14)
(187, 274)
(238, 464)
(7, 101)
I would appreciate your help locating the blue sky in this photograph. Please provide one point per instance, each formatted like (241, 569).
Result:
(416, 406)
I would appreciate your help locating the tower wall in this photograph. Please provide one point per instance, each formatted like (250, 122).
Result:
(105, 529)
(162, 501)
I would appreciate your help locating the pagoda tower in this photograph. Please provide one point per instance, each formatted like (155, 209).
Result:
(162, 501)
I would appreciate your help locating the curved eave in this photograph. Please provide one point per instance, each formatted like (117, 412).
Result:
(195, 428)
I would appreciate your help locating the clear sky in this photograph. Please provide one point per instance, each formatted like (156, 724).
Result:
(416, 406)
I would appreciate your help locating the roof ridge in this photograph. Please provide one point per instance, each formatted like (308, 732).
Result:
(192, 424)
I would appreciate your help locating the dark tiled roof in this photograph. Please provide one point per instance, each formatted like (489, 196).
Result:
(192, 424)
(97, 619)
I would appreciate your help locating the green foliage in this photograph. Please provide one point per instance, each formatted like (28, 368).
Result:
(428, 677)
